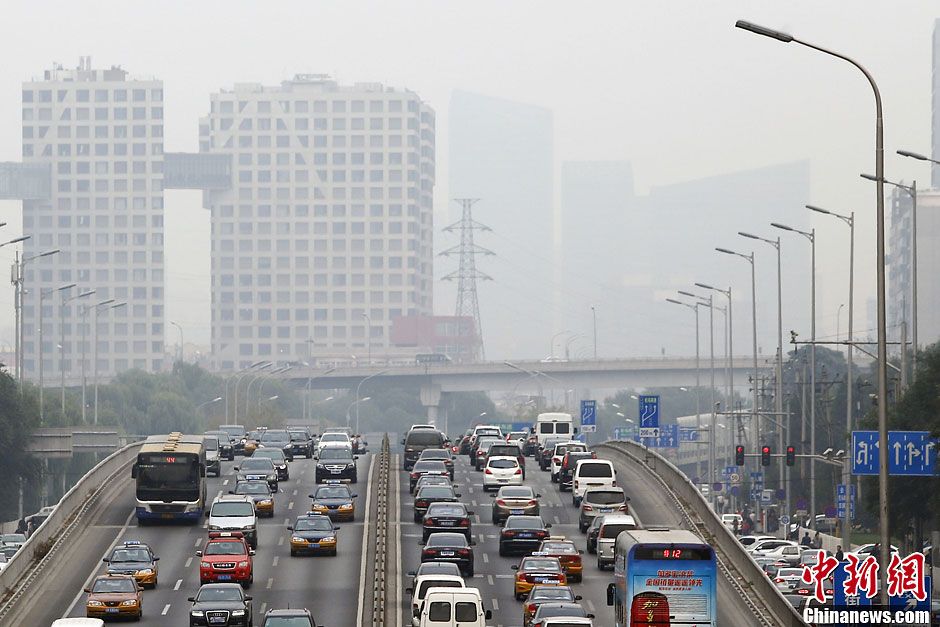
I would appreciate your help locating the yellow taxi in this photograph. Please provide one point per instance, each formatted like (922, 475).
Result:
(114, 596)
(134, 558)
(537, 569)
(313, 533)
(566, 552)
(252, 439)
(334, 499)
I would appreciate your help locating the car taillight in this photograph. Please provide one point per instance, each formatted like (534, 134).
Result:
(533, 502)
(421, 504)
(623, 508)
(802, 591)
(541, 533)
(509, 533)
(518, 471)
(465, 523)
(575, 485)
(778, 580)
(588, 508)
(429, 551)
(489, 472)
(500, 502)
(414, 475)
(428, 522)
(453, 449)
(556, 460)
(529, 607)
(463, 552)
(576, 559)
(614, 484)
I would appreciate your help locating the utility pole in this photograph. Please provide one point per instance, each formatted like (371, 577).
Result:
(467, 274)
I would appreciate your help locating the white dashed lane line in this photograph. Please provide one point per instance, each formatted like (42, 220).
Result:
(198, 542)
(189, 562)
(274, 561)
(179, 582)
(166, 608)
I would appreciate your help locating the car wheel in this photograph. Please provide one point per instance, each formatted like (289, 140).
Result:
(293, 553)
(519, 597)
(417, 518)
(333, 553)
(591, 549)
(582, 527)
(502, 550)
(355, 479)
(140, 614)
(470, 571)
(309, 454)
(154, 585)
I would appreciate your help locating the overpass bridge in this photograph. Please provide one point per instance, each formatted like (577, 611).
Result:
(437, 379)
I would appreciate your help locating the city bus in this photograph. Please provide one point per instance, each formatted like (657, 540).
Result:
(170, 473)
(663, 577)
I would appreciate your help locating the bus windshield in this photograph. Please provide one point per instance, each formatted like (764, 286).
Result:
(159, 479)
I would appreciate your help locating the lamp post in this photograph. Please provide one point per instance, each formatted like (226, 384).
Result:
(847, 462)
(357, 393)
(309, 379)
(778, 391)
(201, 405)
(42, 296)
(264, 365)
(264, 378)
(912, 192)
(238, 377)
(884, 521)
(594, 316)
(534, 375)
(355, 404)
(369, 335)
(17, 281)
(95, 352)
(730, 356)
(179, 356)
(811, 236)
(755, 416)
(65, 301)
(698, 412)
(552, 352)
(20, 282)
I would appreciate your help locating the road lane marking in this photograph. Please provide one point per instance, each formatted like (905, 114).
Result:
(590, 605)
(198, 542)
(189, 562)
(470, 488)
(365, 536)
(495, 603)
(224, 481)
(287, 521)
(295, 493)
(486, 558)
(94, 571)
(274, 561)
(489, 580)
(270, 583)
(290, 505)
(280, 541)
(398, 577)
(557, 520)
(179, 582)
(166, 608)
(505, 576)
(264, 606)
(473, 502)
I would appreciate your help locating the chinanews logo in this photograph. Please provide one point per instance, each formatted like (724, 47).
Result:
(872, 615)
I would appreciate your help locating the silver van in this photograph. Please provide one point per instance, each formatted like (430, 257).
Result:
(607, 538)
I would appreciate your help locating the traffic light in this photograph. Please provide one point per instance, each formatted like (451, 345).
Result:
(765, 456)
(791, 456)
(739, 456)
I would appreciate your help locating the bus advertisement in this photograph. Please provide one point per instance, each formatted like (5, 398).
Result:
(663, 577)
(170, 474)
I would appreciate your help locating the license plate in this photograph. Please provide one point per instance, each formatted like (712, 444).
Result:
(503, 480)
(526, 535)
(217, 619)
(224, 577)
(515, 511)
(544, 580)
(166, 516)
(447, 553)
(111, 610)
(447, 523)
(335, 472)
(605, 510)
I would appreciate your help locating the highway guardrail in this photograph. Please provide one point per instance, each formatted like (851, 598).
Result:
(381, 564)
(756, 588)
(40, 548)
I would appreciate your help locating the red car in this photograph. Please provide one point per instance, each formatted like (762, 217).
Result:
(226, 558)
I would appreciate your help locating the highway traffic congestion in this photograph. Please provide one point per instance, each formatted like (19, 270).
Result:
(513, 529)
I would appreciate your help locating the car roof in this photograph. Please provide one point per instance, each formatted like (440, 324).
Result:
(619, 519)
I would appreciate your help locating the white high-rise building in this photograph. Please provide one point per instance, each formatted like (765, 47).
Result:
(326, 234)
(101, 136)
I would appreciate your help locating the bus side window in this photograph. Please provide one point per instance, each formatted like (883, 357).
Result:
(202, 470)
(134, 471)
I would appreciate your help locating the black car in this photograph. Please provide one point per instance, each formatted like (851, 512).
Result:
(548, 448)
(531, 445)
(593, 531)
(301, 442)
(336, 462)
(432, 494)
(435, 568)
(479, 451)
(522, 534)
(441, 454)
(416, 441)
(447, 517)
(553, 609)
(426, 467)
(226, 444)
(334, 499)
(277, 456)
(289, 618)
(568, 465)
(278, 438)
(433, 480)
(257, 468)
(547, 594)
(450, 547)
(220, 604)
(261, 494)
(463, 442)
(237, 433)
(133, 558)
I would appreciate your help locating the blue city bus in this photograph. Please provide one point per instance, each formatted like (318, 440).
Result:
(170, 474)
(663, 577)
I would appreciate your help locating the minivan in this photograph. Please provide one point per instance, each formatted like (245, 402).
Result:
(416, 441)
(453, 607)
(607, 538)
(423, 583)
(591, 473)
(553, 424)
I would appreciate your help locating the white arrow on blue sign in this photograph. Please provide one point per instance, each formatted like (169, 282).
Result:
(909, 453)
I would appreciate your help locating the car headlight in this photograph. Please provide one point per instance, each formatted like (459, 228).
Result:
(328, 539)
(205, 565)
(321, 467)
(214, 527)
(243, 564)
(146, 571)
(346, 506)
(238, 612)
(129, 602)
(297, 539)
(197, 613)
(95, 603)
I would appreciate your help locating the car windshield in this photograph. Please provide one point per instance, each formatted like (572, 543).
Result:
(210, 444)
(524, 522)
(226, 510)
(588, 469)
(234, 430)
(604, 497)
(560, 610)
(432, 480)
(252, 487)
(435, 453)
(558, 547)
(130, 555)
(447, 539)
(436, 583)
(424, 437)
(486, 444)
(257, 463)
(313, 524)
(225, 547)
(335, 453)
(551, 593)
(446, 509)
(429, 466)
(541, 563)
(790, 572)
(286, 621)
(332, 492)
(254, 435)
(275, 435)
(334, 437)
(114, 584)
(517, 435)
(13, 538)
(517, 493)
(503, 463)
(438, 568)
(298, 436)
(435, 492)
(613, 530)
(269, 453)
(219, 594)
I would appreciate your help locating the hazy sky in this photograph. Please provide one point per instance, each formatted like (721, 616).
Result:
(672, 87)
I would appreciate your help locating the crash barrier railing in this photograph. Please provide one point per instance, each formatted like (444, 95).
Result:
(40, 548)
(754, 587)
(380, 568)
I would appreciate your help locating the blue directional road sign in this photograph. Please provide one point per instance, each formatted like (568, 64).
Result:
(907, 601)
(623, 433)
(588, 416)
(668, 437)
(687, 434)
(845, 501)
(909, 453)
(838, 589)
(649, 416)
(731, 470)
(757, 485)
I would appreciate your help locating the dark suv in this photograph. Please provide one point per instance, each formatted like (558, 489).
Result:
(567, 467)
(506, 450)
(416, 441)
(336, 462)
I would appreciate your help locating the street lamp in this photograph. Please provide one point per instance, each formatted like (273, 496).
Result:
(381, 372)
(95, 351)
(175, 324)
(552, 352)
(42, 295)
(534, 375)
(309, 379)
(264, 378)
(755, 384)
(238, 377)
(355, 404)
(20, 295)
(201, 405)
(264, 365)
(66, 301)
(594, 315)
(730, 357)
(369, 333)
(846, 467)
(884, 521)
(85, 309)
(912, 192)
(698, 414)
(17, 281)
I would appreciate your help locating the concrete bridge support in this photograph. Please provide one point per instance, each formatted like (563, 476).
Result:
(431, 398)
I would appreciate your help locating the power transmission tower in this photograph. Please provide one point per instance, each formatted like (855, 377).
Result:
(467, 273)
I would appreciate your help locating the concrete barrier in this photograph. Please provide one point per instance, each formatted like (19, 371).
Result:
(753, 581)
(41, 546)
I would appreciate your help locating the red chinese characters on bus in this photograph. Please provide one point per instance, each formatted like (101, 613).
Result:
(907, 575)
(650, 609)
(861, 575)
(825, 565)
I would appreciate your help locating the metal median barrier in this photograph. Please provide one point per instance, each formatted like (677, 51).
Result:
(40, 549)
(755, 588)
(381, 563)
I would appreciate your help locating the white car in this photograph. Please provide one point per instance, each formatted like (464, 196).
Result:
(765, 546)
(789, 576)
(728, 520)
(235, 512)
(500, 471)
(334, 438)
(423, 583)
(558, 455)
(789, 553)
(748, 541)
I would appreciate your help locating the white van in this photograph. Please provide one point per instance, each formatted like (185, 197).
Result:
(607, 537)
(453, 607)
(591, 473)
(423, 583)
(552, 424)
